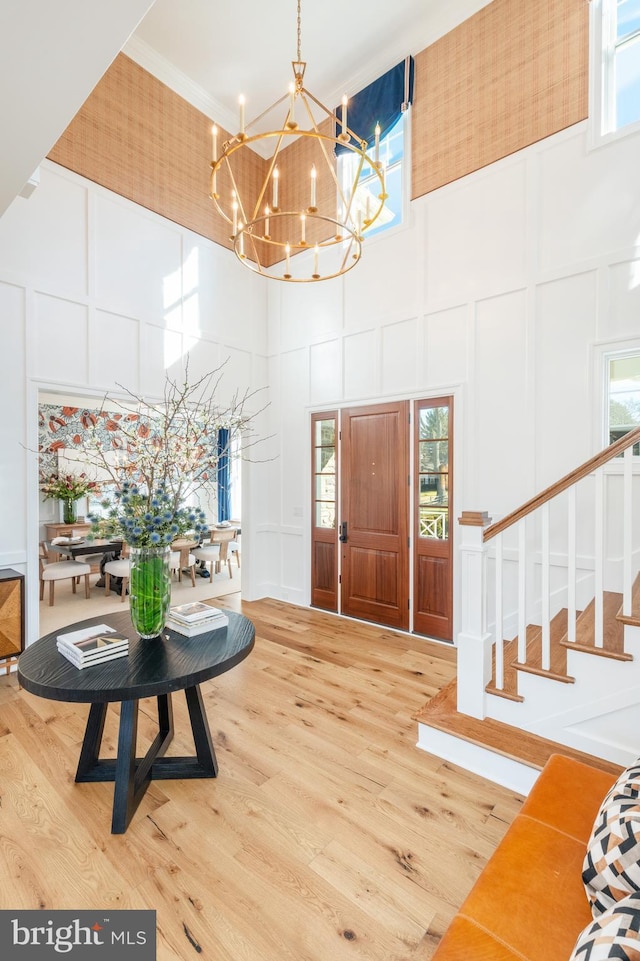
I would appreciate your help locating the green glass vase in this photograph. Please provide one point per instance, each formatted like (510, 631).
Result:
(149, 589)
(69, 511)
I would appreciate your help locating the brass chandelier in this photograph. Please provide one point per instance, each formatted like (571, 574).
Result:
(297, 204)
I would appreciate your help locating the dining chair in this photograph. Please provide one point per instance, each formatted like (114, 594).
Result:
(208, 553)
(52, 571)
(223, 538)
(234, 549)
(178, 563)
(121, 567)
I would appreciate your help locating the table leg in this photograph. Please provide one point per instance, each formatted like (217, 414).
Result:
(125, 789)
(132, 775)
(204, 764)
(201, 734)
(92, 741)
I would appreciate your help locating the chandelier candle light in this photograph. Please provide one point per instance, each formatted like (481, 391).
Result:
(265, 236)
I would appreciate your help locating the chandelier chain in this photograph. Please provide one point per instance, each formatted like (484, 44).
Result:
(299, 33)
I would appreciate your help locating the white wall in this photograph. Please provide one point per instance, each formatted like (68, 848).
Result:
(96, 292)
(499, 290)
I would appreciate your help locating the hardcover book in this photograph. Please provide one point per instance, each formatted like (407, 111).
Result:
(192, 613)
(99, 639)
(82, 662)
(92, 645)
(199, 627)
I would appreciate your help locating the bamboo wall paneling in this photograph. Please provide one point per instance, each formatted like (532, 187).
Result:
(507, 77)
(138, 138)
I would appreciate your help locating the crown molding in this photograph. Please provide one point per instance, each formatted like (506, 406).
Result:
(164, 71)
(151, 61)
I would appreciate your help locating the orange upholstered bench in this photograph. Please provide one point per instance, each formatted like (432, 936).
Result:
(529, 903)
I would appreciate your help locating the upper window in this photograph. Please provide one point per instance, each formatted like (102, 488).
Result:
(615, 66)
(366, 198)
(378, 113)
(623, 395)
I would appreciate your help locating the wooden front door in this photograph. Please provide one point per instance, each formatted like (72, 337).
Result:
(374, 472)
(432, 559)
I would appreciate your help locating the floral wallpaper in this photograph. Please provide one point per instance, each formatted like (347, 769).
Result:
(67, 428)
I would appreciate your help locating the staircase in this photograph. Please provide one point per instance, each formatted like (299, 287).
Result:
(549, 646)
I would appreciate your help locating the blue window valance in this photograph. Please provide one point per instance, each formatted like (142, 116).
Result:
(381, 103)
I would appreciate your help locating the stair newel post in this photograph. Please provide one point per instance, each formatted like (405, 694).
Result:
(474, 642)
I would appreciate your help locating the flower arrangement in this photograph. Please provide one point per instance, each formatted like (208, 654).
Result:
(146, 519)
(70, 487)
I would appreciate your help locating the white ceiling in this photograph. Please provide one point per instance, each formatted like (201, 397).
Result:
(51, 57)
(210, 52)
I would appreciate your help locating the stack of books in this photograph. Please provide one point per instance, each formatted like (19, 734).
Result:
(93, 645)
(196, 618)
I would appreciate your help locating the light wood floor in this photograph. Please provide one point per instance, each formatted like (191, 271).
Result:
(327, 835)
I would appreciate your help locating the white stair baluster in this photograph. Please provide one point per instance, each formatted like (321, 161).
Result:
(522, 591)
(598, 545)
(546, 590)
(499, 627)
(571, 564)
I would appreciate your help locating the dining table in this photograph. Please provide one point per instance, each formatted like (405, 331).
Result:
(185, 545)
(81, 548)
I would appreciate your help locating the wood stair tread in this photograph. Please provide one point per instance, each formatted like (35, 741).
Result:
(613, 639)
(509, 687)
(613, 646)
(558, 667)
(634, 617)
(557, 670)
(441, 713)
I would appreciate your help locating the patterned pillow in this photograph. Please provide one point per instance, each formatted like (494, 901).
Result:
(615, 934)
(611, 868)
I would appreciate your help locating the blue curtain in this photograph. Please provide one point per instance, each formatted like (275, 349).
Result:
(381, 102)
(224, 476)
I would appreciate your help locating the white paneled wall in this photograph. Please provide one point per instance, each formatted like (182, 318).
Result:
(446, 346)
(499, 411)
(623, 284)
(13, 365)
(565, 327)
(44, 240)
(588, 201)
(97, 292)
(476, 235)
(501, 289)
(60, 331)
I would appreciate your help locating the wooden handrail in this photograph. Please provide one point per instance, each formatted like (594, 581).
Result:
(633, 437)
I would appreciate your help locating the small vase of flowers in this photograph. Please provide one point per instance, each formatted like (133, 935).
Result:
(68, 488)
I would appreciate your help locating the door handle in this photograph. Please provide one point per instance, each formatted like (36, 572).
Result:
(343, 532)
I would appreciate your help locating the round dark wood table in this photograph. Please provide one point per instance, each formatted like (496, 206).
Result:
(152, 668)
